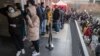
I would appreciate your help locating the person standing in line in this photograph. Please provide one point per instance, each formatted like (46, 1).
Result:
(21, 5)
(42, 19)
(56, 16)
(61, 18)
(33, 27)
(15, 22)
(39, 14)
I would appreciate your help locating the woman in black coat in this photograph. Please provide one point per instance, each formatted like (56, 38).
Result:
(15, 20)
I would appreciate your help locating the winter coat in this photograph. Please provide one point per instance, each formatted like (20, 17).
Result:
(33, 24)
(41, 13)
(15, 19)
(11, 18)
(88, 31)
(49, 14)
(56, 15)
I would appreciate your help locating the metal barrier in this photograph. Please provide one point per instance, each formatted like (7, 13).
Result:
(83, 45)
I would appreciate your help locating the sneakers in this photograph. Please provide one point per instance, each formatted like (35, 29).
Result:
(18, 53)
(35, 54)
(23, 51)
(57, 32)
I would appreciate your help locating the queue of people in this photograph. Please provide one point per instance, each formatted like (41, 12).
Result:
(18, 21)
(31, 22)
(35, 20)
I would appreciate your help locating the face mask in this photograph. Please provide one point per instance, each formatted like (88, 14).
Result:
(11, 10)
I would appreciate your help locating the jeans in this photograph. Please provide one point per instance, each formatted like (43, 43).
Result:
(43, 26)
(56, 26)
(36, 45)
(62, 23)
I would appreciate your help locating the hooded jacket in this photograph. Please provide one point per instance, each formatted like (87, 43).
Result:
(33, 24)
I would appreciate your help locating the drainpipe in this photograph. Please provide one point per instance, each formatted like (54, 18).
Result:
(22, 5)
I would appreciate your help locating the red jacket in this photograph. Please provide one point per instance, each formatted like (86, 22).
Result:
(88, 31)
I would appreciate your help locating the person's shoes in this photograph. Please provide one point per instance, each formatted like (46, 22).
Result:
(57, 32)
(35, 54)
(23, 51)
(43, 34)
(18, 53)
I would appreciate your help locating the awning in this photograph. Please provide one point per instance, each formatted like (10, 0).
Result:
(61, 3)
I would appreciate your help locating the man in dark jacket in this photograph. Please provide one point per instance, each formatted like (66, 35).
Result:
(62, 18)
(56, 15)
(41, 15)
(56, 24)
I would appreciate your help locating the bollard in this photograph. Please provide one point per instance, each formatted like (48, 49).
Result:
(50, 45)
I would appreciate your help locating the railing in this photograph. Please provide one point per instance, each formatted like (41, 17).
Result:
(83, 45)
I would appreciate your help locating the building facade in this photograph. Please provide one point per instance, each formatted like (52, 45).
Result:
(46, 2)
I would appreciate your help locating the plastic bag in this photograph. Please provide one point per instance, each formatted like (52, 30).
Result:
(86, 39)
(94, 42)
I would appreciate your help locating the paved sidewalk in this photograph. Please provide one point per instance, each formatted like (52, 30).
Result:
(62, 42)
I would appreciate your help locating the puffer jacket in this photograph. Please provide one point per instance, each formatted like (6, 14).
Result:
(15, 19)
(33, 24)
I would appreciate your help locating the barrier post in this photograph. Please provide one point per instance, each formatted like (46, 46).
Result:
(50, 45)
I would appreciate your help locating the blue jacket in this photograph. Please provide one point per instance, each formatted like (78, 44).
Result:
(41, 13)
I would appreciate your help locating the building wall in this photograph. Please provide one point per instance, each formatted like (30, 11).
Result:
(3, 21)
(37, 1)
(94, 8)
(46, 2)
